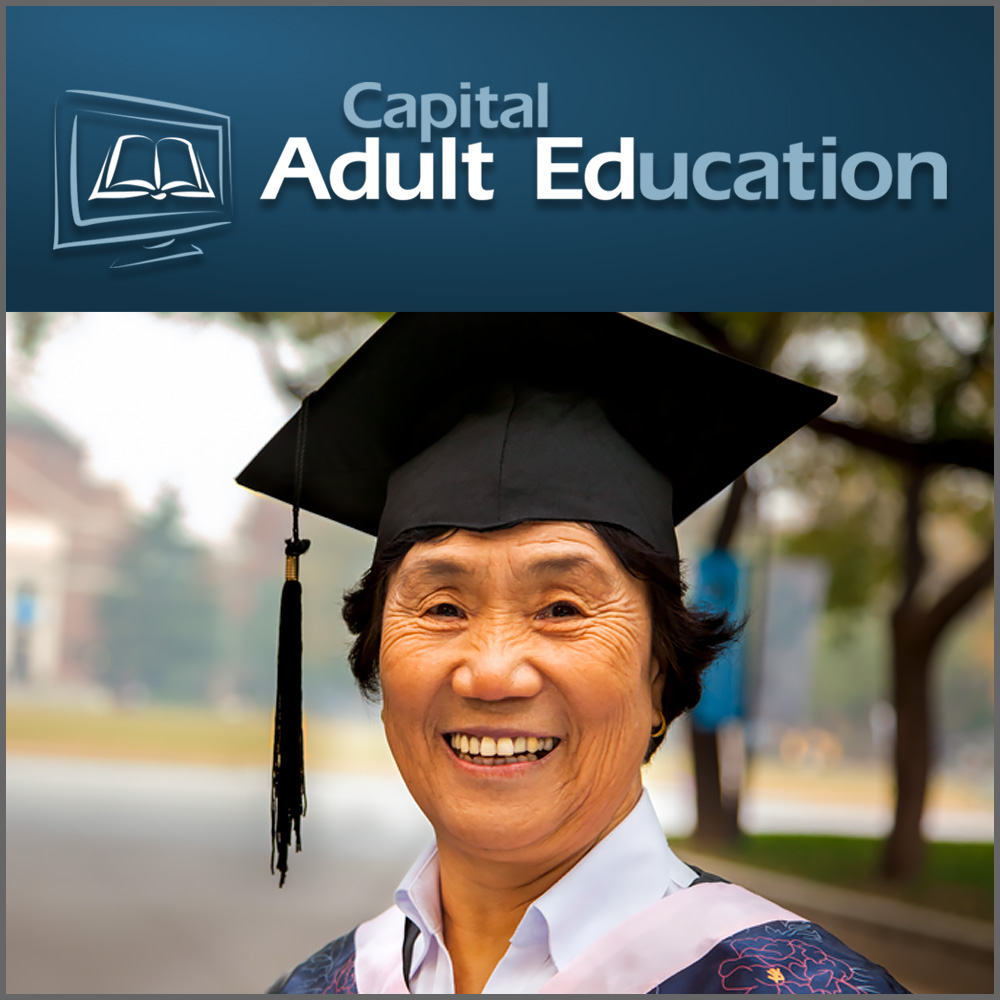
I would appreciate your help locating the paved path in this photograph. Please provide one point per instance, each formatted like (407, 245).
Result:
(138, 878)
(154, 879)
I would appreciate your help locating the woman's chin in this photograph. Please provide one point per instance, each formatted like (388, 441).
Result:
(503, 827)
(540, 831)
(494, 838)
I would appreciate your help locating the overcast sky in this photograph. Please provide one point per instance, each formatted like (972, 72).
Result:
(158, 402)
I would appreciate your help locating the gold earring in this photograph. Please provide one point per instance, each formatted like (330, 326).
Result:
(661, 728)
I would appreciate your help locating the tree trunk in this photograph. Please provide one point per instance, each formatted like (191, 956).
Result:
(904, 850)
(917, 626)
(717, 815)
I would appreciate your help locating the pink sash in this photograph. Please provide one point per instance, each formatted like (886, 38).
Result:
(639, 954)
(378, 954)
(664, 939)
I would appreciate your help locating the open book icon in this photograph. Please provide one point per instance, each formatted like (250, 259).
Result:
(138, 167)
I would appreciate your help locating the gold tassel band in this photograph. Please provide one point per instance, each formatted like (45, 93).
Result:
(291, 567)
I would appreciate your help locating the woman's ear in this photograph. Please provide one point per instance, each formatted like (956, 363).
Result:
(657, 681)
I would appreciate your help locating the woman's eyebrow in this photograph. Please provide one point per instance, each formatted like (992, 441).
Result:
(551, 565)
(431, 569)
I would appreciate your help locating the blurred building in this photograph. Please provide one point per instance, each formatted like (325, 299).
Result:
(64, 532)
(250, 589)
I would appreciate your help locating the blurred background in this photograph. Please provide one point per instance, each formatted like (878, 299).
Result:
(841, 761)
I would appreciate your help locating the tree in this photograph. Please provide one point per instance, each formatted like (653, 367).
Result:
(717, 814)
(916, 397)
(161, 617)
(324, 341)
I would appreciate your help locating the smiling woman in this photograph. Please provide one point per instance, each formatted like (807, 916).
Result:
(524, 657)
(524, 626)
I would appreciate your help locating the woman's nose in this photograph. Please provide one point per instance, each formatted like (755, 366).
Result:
(494, 668)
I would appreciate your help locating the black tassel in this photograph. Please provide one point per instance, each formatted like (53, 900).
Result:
(288, 779)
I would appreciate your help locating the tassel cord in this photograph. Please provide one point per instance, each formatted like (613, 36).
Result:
(288, 789)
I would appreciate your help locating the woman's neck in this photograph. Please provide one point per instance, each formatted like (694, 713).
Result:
(484, 897)
(482, 904)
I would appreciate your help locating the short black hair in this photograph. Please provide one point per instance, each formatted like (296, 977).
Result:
(685, 640)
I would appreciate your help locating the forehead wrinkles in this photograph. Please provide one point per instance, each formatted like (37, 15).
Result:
(581, 558)
(576, 567)
(434, 569)
(473, 561)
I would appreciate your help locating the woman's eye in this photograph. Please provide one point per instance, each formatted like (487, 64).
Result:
(445, 610)
(560, 609)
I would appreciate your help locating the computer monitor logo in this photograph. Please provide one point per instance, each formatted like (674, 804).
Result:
(134, 175)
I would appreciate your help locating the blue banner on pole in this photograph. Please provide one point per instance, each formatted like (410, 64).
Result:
(720, 585)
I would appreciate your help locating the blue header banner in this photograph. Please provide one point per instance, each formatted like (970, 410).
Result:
(387, 158)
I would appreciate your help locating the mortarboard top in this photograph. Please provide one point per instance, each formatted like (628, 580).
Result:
(479, 420)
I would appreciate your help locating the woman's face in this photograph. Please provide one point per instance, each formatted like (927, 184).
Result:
(498, 645)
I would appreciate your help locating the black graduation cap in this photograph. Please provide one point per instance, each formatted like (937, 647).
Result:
(479, 420)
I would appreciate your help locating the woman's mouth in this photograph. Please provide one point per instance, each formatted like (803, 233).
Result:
(496, 751)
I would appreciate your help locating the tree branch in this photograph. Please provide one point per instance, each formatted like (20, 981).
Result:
(968, 453)
(282, 380)
(712, 333)
(961, 592)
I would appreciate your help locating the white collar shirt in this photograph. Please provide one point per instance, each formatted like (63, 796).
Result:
(630, 869)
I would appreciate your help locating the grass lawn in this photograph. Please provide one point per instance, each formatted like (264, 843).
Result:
(186, 735)
(957, 878)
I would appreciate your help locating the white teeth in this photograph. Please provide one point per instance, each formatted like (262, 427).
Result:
(490, 750)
